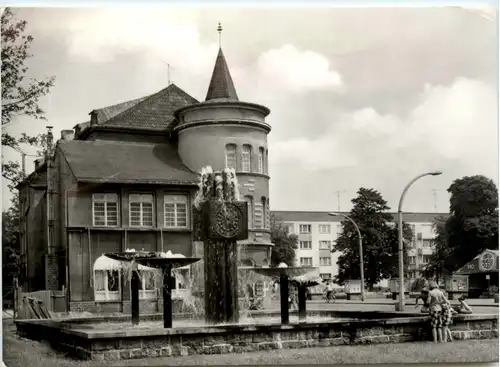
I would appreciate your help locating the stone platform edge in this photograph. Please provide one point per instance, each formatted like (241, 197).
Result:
(238, 339)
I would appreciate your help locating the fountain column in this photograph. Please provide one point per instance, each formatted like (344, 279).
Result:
(135, 282)
(285, 314)
(224, 222)
(167, 296)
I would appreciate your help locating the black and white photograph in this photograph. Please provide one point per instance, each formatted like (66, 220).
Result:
(250, 184)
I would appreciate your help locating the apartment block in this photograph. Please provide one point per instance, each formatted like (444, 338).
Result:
(317, 232)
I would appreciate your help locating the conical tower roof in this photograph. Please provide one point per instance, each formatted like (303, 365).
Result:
(221, 86)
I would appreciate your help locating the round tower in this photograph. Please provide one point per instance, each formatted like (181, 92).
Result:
(225, 132)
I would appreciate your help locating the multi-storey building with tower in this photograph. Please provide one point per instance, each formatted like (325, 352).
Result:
(127, 178)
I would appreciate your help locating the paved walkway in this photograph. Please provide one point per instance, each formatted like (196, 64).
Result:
(484, 302)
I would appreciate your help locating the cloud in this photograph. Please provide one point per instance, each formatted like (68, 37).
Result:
(296, 70)
(455, 122)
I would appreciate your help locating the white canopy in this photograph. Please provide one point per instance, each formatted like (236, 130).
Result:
(105, 263)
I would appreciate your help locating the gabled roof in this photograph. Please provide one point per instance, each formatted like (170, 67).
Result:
(126, 163)
(221, 86)
(155, 112)
(106, 113)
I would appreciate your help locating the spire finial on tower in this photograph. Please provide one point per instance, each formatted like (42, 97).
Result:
(219, 29)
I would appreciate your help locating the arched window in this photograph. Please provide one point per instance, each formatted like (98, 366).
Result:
(246, 158)
(261, 160)
(231, 156)
(249, 200)
(107, 280)
(265, 213)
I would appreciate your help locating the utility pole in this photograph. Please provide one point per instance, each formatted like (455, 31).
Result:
(338, 198)
(434, 194)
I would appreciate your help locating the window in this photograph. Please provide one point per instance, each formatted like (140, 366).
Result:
(141, 210)
(326, 276)
(176, 211)
(180, 281)
(246, 158)
(325, 245)
(105, 209)
(266, 162)
(419, 236)
(305, 228)
(306, 261)
(324, 228)
(261, 160)
(249, 200)
(148, 283)
(339, 229)
(289, 227)
(231, 156)
(306, 245)
(411, 259)
(427, 243)
(265, 213)
(426, 259)
(107, 282)
(325, 261)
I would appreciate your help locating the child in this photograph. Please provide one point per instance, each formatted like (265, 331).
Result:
(463, 308)
(446, 321)
(424, 293)
(328, 291)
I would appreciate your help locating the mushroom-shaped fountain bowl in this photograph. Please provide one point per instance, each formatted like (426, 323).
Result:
(159, 260)
(285, 273)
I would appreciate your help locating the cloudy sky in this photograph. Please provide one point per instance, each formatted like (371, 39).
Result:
(361, 97)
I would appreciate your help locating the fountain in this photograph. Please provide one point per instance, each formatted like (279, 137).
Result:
(222, 220)
(286, 275)
(158, 260)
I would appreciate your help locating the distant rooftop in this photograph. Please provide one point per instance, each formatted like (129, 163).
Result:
(316, 216)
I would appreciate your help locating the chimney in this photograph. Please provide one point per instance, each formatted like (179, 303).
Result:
(38, 162)
(50, 140)
(67, 134)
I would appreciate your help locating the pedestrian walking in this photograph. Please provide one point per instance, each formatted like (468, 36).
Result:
(328, 291)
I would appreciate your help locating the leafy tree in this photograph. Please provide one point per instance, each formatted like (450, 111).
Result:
(380, 240)
(473, 224)
(418, 284)
(285, 243)
(20, 94)
(436, 266)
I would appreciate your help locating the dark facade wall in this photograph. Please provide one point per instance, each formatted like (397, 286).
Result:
(80, 202)
(82, 256)
(86, 247)
(36, 235)
(120, 238)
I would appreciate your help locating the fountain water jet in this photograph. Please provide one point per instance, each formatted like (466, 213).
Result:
(157, 260)
(285, 273)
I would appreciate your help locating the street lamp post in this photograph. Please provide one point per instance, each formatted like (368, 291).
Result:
(360, 239)
(401, 305)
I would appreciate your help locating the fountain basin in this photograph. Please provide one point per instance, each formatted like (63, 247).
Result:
(78, 339)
